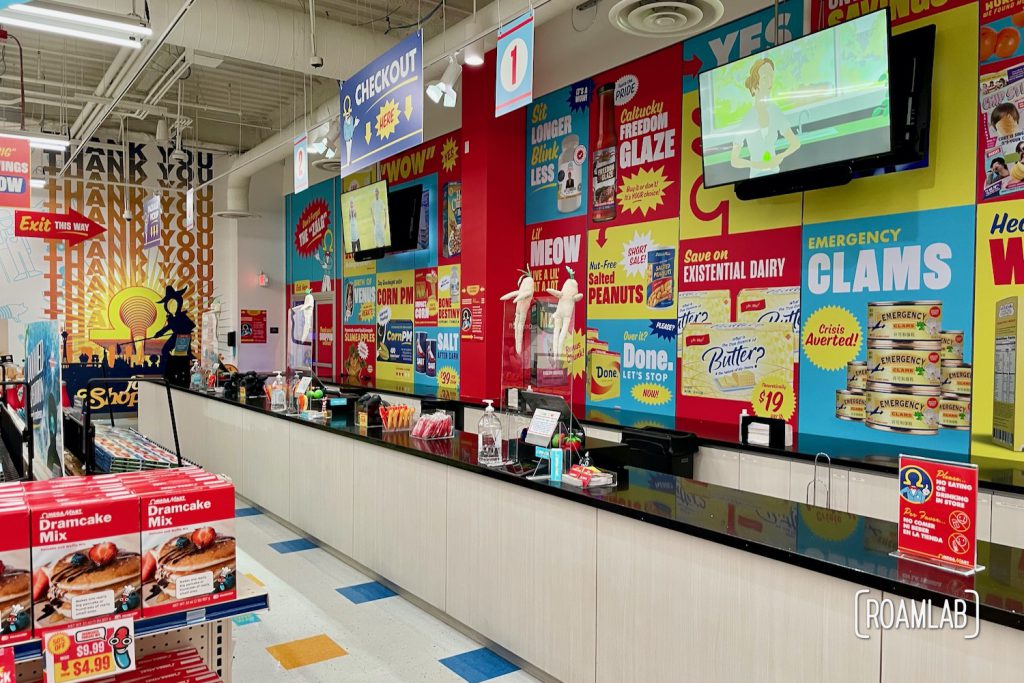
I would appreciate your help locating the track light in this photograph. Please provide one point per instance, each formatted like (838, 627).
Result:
(37, 183)
(162, 134)
(443, 91)
(75, 22)
(474, 53)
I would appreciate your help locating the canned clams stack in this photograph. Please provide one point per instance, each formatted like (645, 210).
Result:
(914, 380)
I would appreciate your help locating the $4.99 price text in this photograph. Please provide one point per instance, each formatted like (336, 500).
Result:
(89, 666)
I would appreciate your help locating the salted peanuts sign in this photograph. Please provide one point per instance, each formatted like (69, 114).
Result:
(938, 511)
(15, 173)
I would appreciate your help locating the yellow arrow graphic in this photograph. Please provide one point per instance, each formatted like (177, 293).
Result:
(367, 132)
(408, 107)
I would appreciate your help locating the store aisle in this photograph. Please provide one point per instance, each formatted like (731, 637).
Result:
(329, 622)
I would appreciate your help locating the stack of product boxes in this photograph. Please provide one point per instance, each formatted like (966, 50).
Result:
(175, 666)
(83, 550)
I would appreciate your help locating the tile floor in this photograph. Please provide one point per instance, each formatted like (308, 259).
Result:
(329, 622)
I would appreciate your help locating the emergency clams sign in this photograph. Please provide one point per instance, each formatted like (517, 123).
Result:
(382, 106)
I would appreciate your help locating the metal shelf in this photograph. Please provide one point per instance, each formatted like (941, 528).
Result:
(251, 598)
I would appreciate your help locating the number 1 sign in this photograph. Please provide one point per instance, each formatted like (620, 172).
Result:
(513, 87)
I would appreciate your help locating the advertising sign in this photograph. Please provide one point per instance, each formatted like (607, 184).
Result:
(15, 170)
(734, 291)
(513, 84)
(880, 295)
(312, 227)
(558, 132)
(1000, 129)
(358, 363)
(436, 360)
(151, 228)
(72, 226)
(395, 303)
(996, 418)
(631, 271)
(382, 106)
(43, 373)
(425, 291)
(254, 326)
(300, 163)
(360, 300)
(449, 296)
(324, 344)
(89, 652)
(825, 13)
(938, 511)
(634, 141)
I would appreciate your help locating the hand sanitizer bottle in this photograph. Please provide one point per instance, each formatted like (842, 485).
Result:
(277, 394)
(488, 436)
(196, 380)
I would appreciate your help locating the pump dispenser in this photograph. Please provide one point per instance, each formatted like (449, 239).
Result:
(489, 437)
(278, 393)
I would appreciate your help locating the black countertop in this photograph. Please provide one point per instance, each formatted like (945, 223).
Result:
(995, 474)
(841, 545)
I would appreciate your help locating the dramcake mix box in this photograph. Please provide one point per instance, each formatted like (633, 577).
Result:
(727, 360)
(15, 572)
(188, 544)
(86, 557)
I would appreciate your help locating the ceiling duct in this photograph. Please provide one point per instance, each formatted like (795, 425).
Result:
(665, 18)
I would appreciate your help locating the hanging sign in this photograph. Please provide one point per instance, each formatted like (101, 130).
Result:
(513, 85)
(382, 106)
(300, 155)
(151, 229)
(938, 512)
(72, 226)
(15, 170)
(86, 653)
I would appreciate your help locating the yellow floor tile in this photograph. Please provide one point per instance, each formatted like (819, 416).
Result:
(254, 579)
(306, 651)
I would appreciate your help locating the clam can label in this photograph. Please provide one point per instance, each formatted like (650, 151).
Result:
(905, 320)
(952, 345)
(856, 375)
(955, 412)
(957, 378)
(849, 405)
(901, 412)
(660, 277)
(905, 366)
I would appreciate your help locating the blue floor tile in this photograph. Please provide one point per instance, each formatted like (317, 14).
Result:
(247, 512)
(293, 546)
(366, 592)
(246, 619)
(479, 665)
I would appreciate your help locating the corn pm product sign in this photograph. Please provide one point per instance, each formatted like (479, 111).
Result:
(395, 353)
(997, 424)
(882, 291)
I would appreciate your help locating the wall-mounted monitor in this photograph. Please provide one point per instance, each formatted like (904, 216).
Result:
(818, 101)
(365, 219)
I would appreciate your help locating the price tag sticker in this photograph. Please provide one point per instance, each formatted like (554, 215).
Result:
(89, 652)
(773, 399)
(7, 673)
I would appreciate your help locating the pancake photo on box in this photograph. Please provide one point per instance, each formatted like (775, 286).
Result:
(200, 551)
(103, 567)
(15, 600)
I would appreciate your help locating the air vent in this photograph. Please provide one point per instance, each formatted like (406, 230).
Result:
(228, 213)
(330, 165)
(665, 18)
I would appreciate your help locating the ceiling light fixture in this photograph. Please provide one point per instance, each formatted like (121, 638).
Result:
(474, 53)
(45, 141)
(74, 22)
(443, 91)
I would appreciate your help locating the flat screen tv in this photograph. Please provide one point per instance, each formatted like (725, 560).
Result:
(365, 219)
(821, 101)
(406, 207)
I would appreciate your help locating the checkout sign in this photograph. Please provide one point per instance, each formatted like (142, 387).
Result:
(15, 173)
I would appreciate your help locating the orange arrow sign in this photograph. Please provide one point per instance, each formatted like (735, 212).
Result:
(72, 226)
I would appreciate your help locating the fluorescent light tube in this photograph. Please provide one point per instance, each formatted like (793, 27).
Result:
(74, 15)
(7, 19)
